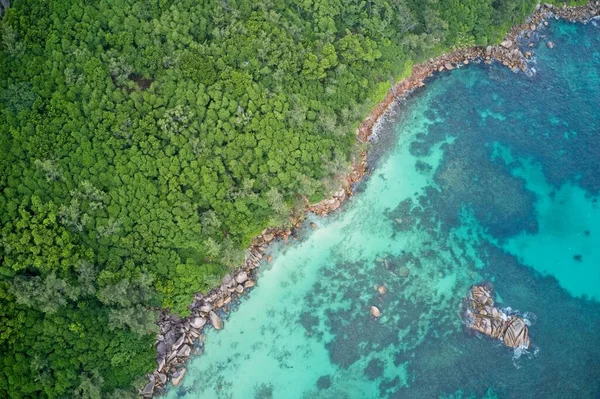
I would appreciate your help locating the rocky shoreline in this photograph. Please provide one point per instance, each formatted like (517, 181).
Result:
(178, 338)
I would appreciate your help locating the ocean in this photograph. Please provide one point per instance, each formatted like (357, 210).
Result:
(484, 175)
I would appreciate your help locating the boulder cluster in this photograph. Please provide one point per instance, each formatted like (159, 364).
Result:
(481, 315)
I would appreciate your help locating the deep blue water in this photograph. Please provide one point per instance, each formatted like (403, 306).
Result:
(483, 175)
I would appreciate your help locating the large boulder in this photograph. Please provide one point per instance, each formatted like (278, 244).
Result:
(161, 363)
(228, 281)
(206, 308)
(516, 334)
(507, 44)
(178, 376)
(179, 342)
(148, 390)
(215, 320)
(161, 348)
(241, 277)
(184, 351)
(198, 322)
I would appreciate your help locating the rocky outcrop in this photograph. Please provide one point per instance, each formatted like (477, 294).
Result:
(481, 315)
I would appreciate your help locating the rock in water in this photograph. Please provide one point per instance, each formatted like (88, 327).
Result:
(481, 315)
(404, 271)
(215, 320)
(178, 376)
(381, 289)
(375, 312)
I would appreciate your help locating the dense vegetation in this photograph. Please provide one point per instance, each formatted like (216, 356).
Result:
(145, 142)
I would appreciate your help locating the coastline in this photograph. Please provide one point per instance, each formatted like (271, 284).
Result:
(180, 338)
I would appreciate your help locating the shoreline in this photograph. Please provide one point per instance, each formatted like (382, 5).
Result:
(179, 338)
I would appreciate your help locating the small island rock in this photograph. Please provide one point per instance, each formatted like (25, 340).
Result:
(481, 315)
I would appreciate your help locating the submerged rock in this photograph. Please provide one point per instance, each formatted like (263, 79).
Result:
(375, 312)
(381, 289)
(404, 271)
(481, 315)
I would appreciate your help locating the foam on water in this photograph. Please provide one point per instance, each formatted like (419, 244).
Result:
(485, 175)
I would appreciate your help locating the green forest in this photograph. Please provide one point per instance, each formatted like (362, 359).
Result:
(144, 143)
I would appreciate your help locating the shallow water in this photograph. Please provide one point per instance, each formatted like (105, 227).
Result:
(485, 175)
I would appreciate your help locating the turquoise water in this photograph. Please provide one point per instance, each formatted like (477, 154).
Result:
(484, 175)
